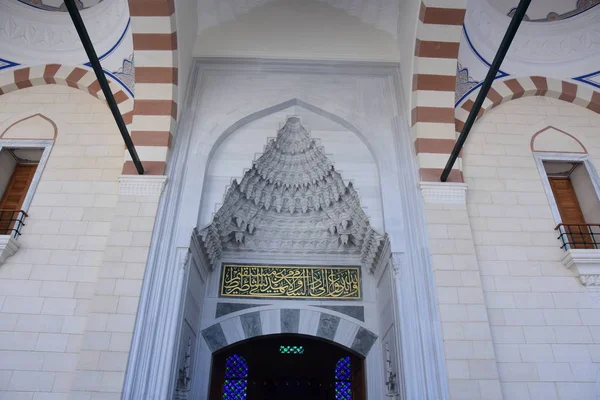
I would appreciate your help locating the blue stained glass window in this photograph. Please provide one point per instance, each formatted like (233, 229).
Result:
(342, 369)
(343, 390)
(235, 386)
(343, 378)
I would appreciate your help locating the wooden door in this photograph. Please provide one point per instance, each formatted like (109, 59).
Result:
(14, 196)
(570, 213)
(358, 379)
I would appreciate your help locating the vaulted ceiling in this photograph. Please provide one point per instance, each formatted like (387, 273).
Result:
(382, 14)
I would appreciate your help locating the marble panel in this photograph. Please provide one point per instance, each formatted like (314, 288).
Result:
(214, 337)
(328, 325)
(363, 341)
(345, 333)
(271, 321)
(356, 312)
(309, 322)
(233, 330)
(290, 320)
(251, 324)
(228, 308)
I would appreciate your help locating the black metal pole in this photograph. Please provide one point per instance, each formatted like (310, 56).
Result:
(110, 99)
(487, 84)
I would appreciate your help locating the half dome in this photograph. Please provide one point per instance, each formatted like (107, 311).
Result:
(292, 201)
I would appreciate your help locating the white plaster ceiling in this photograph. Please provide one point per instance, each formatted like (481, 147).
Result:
(382, 14)
(58, 5)
(546, 10)
(31, 36)
(566, 48)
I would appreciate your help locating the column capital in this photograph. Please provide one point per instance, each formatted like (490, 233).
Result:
(443, 192)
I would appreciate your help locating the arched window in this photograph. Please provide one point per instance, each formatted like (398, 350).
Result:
(235, 386)
(343, 379)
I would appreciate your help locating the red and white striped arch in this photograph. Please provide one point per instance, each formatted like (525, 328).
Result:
(434, 80)
(515, 88)
(500, 92)
(75, 77)
(152, 117)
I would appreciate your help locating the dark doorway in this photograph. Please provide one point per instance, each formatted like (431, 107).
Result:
(287, 367)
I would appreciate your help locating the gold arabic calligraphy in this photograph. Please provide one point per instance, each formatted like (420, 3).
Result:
(290, 282)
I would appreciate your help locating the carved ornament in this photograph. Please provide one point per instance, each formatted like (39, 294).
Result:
(292, 201)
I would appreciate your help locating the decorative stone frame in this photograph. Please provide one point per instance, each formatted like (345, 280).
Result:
(585, 263)
(153, 356)
(9, 245)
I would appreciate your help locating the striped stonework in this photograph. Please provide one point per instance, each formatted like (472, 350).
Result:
(155, 54)
(343, 331)
(515, 88)
(75, 77)
(434, 78)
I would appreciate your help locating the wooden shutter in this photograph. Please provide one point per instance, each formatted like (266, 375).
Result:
(570, 213)
(14, 195)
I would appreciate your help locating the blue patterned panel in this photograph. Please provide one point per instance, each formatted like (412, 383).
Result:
(343, 390)
(343, 377)
(342, 369)
(235, 386)
(236, 367)
(235, 389)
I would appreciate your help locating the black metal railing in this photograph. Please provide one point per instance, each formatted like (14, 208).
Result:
(11, 222)
(579, 236)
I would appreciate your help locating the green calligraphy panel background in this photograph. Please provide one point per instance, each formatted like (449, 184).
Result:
(290, 282)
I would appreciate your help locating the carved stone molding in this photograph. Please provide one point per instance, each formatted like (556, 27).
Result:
(443, 192)
(396, 263)
(585, 264)
(8, 247)
(141, 185)
(293, 201)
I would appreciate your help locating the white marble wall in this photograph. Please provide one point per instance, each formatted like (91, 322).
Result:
(544, 323)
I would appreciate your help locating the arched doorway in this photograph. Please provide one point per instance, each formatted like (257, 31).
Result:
(287, 367)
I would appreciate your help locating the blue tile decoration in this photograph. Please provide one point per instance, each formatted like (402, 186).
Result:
(464, 82)
(126, 74)
(7, 64)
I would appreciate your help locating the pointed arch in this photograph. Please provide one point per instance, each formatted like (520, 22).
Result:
(3, 134)
(238, 121)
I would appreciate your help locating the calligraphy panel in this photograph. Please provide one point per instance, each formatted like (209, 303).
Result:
(290, 282)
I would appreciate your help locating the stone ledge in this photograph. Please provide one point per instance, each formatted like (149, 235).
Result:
(8, 247)
(585, 264)
(141, 185)
(444, 192)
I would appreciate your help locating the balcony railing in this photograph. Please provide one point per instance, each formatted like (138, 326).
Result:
(11, 222)
(579, 236)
